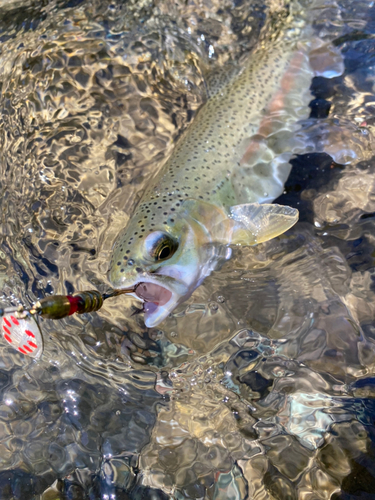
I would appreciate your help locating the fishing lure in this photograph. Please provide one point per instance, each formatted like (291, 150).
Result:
(20, 327)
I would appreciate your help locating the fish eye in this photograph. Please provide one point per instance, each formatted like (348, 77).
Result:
(160, 246)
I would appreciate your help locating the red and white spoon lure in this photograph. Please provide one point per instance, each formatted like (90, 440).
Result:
(23, 334)
(21, 330)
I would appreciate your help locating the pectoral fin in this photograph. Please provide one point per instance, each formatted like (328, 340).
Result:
(258, 223)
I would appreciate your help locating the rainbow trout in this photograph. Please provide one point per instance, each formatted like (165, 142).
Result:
(217, 187)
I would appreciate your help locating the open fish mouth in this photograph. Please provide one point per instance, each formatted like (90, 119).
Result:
(159, 300)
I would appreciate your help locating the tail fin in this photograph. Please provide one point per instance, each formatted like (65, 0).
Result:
(300, 16)
(321, 12)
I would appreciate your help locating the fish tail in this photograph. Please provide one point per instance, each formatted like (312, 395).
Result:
(314, 11)
(295, 18)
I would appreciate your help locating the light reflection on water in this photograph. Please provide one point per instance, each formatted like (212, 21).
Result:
(261, 386)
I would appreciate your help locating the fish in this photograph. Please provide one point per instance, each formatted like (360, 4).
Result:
(217, 187)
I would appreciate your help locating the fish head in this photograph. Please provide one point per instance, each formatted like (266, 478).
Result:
(164, 261)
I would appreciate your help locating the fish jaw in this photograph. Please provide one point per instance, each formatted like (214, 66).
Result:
(154, 313)
(162, 296)
(159, 293)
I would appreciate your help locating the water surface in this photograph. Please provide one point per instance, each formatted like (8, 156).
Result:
(262, 385)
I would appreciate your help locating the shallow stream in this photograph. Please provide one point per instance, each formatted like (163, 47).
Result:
(262, 385)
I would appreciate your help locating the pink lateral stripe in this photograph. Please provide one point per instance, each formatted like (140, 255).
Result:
(21, 350)
(32, 344)
(276, 105)
(7, 322)
(27, 348)
(6, 330)
(8, 339)
(30, 334)
(15, 321)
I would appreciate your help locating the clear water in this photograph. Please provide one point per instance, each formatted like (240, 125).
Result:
(262, 386)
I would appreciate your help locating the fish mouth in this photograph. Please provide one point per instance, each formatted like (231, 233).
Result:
(160, 295)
